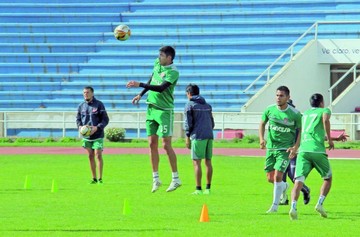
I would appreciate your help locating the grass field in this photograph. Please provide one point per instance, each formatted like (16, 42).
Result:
(240, 197)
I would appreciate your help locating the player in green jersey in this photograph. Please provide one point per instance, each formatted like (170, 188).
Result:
(312, 153)
(160, 112)
(280, 144)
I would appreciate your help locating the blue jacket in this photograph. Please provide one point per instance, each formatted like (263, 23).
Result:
(199, 122)
(93, 113)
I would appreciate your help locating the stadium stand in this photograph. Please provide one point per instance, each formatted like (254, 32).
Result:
(50, 50)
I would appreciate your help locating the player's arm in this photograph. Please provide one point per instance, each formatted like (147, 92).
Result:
(143, 92)
(104, 118)
(261, 134)
(157, 88)
(188, 124)
(78, 118)
(326, 122)
(293, 150)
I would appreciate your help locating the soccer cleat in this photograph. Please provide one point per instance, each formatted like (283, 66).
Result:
(293, 214)
(206, 192)
(156, 186)
(174, 185)
(197, 192)
(272, 209)
(284, 197)
(93, 182)
(319, 208)
(100, 181)
(306, 196)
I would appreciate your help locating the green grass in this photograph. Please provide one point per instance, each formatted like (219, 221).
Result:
(240, 196)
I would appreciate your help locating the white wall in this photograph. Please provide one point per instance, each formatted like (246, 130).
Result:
(309, 73)
(304, 77)
(338, 51)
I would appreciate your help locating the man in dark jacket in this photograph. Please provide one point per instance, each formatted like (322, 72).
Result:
(92, 113)
(199, 124)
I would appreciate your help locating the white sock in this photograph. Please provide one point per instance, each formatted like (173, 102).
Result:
(321, 199)
(278, 189)
(293, 205)
(156, 176)
(175, 175)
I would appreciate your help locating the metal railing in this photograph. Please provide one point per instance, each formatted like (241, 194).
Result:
(248, 122)
(351, 70)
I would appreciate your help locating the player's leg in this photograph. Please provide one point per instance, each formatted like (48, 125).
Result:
(322, 165)
(170, 153)
(165, 119)
(91, 155)
(198, 175)
(209, 173)
(97, 147)
(302, 170)
(270, 172)
(175, 182)
(153, 140)
(269, 166)
(208, 164)
(100, 164)
(291, 169)
(197, 154)
(283, 198)
(154, 152)
(325, 188)
(154, 159)
(295, 193)
(305, 189)
(280, 187)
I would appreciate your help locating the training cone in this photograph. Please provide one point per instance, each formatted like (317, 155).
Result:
(27, 184)
(126, 208)
(204, 217)
(54, 186)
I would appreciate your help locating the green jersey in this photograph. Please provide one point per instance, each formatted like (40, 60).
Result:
(282, 126)
(165, 99)
(313, 131)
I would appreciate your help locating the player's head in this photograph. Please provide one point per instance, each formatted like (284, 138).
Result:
(317, 100)
(192, 90)
(166, 55)
(282, 96)
(88, 93)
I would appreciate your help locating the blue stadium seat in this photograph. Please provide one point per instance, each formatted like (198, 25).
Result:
(50, 50)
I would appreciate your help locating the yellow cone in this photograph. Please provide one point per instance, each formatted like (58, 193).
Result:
(27, 184)
(54, 186)
(126, 208)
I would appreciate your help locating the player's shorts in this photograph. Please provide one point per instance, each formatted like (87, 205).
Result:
(97, 144)
(306, 161)
(159, 122)
(276, 160)
(201, 149)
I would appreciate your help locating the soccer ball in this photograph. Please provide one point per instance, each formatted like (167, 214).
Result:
(85, 131)
(122, 32)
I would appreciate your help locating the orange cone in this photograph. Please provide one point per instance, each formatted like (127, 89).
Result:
(204, 217)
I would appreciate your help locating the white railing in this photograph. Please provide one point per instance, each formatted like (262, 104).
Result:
(290, 50)
(351, 70)
(248, 122)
